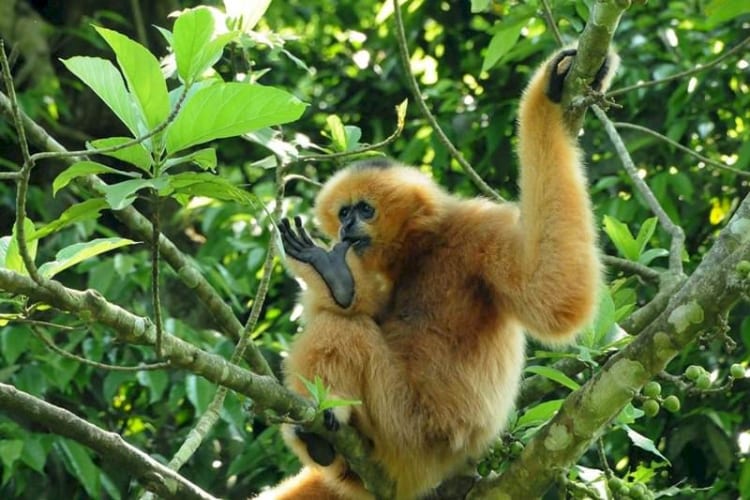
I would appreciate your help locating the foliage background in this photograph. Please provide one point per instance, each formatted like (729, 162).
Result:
(341, 58)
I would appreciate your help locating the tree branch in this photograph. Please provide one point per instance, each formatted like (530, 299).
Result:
(151, 474)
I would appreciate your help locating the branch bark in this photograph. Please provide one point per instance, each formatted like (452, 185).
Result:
(151, 474)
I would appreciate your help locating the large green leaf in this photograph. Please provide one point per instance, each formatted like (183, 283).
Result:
(199, 392)
(78, 252)
(143, 74)
(79, 464)
(86, 210)
(205, 158)
(122, 194)
(136, 154)
(13, 260)
(539, 414)
(103, 78)
(190, 184)
(198, 42)
(230, 109)
(502, 41)
(621, 236)
(10, 451)
(554, 375)
(79, 169)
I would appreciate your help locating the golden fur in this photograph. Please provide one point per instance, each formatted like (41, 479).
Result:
(433, 344)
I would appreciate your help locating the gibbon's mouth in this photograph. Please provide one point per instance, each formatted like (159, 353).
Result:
(359, 243)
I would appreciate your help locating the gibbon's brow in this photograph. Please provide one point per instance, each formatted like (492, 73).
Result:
(372, 163)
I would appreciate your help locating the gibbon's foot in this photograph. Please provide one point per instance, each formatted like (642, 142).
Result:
(331, 266)
(560, 67)
(320, 450)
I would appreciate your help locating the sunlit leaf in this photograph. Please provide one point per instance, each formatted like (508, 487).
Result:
(78, 252)
(502, 41)
(86, 210)
(136, 154)
(621, 236)
(554, 375)
(539, 414)
(205, 158)
(198, 41)
(79, 169)
(122, 194)
(13, 259)
(143, 75)
(643, 442)
(230, 109)
(102, 77)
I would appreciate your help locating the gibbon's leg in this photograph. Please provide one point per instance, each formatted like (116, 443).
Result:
(556, 278)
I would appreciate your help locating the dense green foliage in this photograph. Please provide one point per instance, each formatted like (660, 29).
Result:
(681, 437)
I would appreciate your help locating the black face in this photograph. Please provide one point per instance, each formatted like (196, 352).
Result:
(351, 218)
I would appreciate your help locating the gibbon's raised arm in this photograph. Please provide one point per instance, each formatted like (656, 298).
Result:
(557, 273)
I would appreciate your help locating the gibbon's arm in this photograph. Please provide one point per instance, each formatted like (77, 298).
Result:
(558, 269)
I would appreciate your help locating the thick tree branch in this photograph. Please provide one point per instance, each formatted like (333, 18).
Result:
(151, 474)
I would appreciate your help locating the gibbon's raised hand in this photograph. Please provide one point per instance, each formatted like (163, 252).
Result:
(418, 310)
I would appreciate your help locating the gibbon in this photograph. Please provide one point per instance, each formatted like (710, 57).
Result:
(418, 309)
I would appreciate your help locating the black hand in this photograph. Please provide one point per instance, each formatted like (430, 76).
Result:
(331, 266)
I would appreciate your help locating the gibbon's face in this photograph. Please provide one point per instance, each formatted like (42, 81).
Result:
(375, 207)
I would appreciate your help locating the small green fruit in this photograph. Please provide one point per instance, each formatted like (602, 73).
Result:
(703, 382)
(671, 404)
(516, 448)
(650, 407)
(652, 389)
(693, 372)
(737, 371)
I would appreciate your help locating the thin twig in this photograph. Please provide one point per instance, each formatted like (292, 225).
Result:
(551, 24)
(644, 272)
(414, 88)
(24, 174)
(372, 147)
(10, 176)
(155, 296)
(103, 366)
(299, 177)
(675, 231)
(679, 146)
(737, 48)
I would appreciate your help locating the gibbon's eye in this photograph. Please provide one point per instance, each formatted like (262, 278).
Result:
(344, 212)
(365, 210)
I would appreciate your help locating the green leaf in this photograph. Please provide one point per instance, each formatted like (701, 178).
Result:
(245, 15)
(334, 403)
(102, 77)
(539, 414)
(13, 260)
(230, 109)
(554, 375)
(143, 75)
(205, 158)
(122, 194)
(189, 184)
(720, 11)
(643, 442)
(198, 42)
(136, 154)
(78, 252)
(645, 233)
(595, 335)
(271, 139)
(86, 210)
(199, 392)
(10, 451)
(14, 342)
(649, 255)
(34, 453)
(502, 41)
(79, 464)
(79, 169)
(621, 236)
(156, 381)
(480, 6)
(338, 135)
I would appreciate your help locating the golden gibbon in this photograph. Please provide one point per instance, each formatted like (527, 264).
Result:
(418, 309)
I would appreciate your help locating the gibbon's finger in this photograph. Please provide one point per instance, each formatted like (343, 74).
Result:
(289, 239)
(302, 234)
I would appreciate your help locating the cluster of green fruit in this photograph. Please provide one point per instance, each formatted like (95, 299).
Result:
(654, 401)
(622, 489)
(497, 456)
